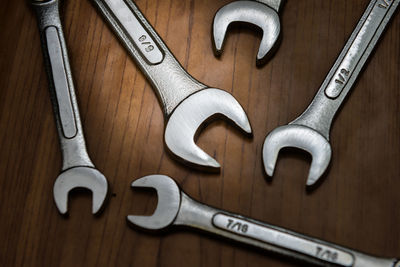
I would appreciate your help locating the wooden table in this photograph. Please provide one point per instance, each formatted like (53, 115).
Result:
(357, 205)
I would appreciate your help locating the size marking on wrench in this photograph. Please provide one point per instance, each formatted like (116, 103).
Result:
(357, 49)
(282, 239)
(135, 30)
(385, 3)
(175, 207)
(187, 103)
(310, 131)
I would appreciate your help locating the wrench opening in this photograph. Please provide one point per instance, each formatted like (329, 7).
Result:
(78, 170)
(169, 200)
(310, 131)
(175, 208)
(250, 12)
(186, 102)
(301, 137)
(81, 178)
(191, 115)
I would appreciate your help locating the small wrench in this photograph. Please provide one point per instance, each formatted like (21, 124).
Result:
(77, 170)
(261, 13)
(187, 103)
(176, 208)
(310, 131)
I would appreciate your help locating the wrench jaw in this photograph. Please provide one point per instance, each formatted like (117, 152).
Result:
(301, 137)
(80, 177)
(169, 201)
(251, 12)
(194, 112)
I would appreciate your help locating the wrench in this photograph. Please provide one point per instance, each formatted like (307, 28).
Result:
(310, 131)
(187, 103)
(261, 13)
(77, 170)
(176, 208)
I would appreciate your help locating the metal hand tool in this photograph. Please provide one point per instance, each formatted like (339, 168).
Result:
(176, 208)
(77, 171)
(261, 13)
(310, 131)
(187, 103)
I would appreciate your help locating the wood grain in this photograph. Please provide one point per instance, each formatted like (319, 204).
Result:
(357, 205)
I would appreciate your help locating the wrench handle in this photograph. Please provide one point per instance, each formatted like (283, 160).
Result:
(62, 91)
(171, 82)
(273, 238)
(343, 74)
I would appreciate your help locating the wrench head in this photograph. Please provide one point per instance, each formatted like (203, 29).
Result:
(169, 201)
(80, 177)
(193, 112)
(252, 12)
(302, 137)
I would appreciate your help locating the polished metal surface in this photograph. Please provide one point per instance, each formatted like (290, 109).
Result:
(77, 170)
(188, 117)
(80, 177)
(174, 86)
(176, 208)
(301, 137)
(314, 124)
(167, 209)
(263, 14)
(146, 45)
(66, 111)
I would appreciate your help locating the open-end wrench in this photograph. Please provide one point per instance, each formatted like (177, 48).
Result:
(261, 13)
(176, 208)
(78, 170)
(187, 103)
(310, 131)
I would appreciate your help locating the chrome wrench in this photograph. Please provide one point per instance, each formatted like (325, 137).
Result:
(176, 208)
(77, 170)
(187, 103)
(310, 131)
(261, 13)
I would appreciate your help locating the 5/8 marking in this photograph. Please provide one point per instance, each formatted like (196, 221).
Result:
(385, 4)
(149, 47)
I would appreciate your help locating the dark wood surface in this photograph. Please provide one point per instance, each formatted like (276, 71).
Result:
(357, 205)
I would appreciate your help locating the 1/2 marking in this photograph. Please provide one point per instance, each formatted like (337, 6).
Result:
(342, 76)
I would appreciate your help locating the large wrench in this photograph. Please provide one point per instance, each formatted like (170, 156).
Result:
(187, 103)
(261, 13)
(176, 208)
(78, 170)
(310, 131)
